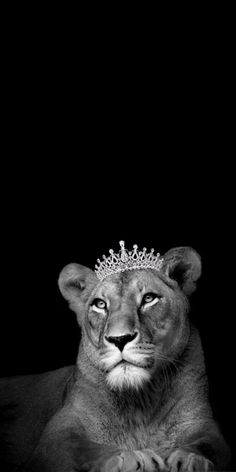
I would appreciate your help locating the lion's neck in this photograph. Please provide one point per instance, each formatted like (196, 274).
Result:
(145, 402)
(130, 403)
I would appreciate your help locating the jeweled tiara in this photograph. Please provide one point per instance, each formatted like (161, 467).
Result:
(127, 260)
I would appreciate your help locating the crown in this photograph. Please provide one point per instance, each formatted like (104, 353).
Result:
(127, 260)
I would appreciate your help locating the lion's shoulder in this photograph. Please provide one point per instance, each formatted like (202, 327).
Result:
(26, 405)
(19, 389)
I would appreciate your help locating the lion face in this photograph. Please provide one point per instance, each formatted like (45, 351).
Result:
(135, 321)
(132, 322)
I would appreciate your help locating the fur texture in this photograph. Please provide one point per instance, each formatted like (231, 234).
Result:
(137, 397)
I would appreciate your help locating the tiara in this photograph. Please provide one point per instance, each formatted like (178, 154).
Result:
(127, 260)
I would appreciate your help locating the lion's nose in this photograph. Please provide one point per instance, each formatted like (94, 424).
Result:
(121, 341)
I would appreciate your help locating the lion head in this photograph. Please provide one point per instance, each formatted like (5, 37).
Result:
(133, 322)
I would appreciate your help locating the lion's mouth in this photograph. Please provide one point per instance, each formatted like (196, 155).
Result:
(127, 359)
(126, 363)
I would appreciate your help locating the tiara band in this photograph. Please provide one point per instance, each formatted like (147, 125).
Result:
(127, 260)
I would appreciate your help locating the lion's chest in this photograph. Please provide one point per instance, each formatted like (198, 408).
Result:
(139, 436)
(124, 430)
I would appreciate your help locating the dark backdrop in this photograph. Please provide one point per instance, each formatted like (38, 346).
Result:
(94, 156)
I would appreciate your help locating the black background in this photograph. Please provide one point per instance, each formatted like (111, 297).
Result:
(98, 150)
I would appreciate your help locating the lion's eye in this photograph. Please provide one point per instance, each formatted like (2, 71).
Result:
(99, 303)
(150, 299)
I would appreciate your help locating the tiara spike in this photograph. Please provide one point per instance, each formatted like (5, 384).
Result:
(127, 260)
(124, 256)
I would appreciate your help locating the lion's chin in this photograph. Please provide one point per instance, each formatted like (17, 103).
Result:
(127, 376)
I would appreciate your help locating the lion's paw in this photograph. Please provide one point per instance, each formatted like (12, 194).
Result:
(128, 461)
(121, 461)
(185, 461)
(150, 461)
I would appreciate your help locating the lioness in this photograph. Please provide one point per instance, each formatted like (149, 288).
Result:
(136, 400)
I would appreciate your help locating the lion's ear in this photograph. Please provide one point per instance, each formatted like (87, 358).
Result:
(183, 264)
(76, 280)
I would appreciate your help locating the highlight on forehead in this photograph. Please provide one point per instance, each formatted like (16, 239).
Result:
(147, 278)
(140, 278)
